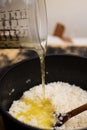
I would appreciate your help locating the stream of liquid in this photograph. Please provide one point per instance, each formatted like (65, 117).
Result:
(42, 55)
(42, 64)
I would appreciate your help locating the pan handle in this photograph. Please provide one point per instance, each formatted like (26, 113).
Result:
(1, 123)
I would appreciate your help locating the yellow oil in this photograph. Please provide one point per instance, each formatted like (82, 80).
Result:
(42, 64)
(41, 51)
(40, 110)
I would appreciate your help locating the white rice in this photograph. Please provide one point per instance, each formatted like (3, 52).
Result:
(63, 96)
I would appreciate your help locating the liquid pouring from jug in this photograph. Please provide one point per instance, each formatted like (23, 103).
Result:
(23, 24)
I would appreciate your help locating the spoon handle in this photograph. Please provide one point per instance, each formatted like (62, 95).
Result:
(61, 119)
(77, 110)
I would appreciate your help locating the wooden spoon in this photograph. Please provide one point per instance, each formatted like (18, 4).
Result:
(62, 118)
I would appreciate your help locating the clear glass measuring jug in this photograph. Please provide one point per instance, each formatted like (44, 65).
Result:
(23, 24)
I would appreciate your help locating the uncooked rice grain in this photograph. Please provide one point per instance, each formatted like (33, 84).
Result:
(63, 96)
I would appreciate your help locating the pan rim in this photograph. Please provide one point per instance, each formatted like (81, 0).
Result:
(2, 111)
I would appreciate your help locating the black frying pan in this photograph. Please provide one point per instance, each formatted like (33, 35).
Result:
(71, 69)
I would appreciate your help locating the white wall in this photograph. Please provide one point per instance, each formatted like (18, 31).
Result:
(72, 13)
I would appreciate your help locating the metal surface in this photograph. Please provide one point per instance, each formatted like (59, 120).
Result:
(63, 65)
